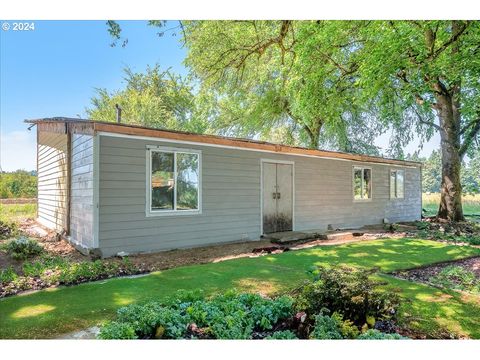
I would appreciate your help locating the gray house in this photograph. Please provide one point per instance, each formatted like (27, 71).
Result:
(111, 187)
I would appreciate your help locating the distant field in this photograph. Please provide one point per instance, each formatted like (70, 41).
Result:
(16, 212)
(471, 203)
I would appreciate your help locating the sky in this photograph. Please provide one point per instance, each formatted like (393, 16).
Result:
(54, 70)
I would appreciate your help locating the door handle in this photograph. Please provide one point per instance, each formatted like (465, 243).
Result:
(278, 195)
(274, 195)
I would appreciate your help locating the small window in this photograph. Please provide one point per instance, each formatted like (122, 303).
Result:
(397, 184)
(362, 183)
(174, 185)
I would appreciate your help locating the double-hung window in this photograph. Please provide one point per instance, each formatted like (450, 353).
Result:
(362, 183)
(397, 184)
(173, 177)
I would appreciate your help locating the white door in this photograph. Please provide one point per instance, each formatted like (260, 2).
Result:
(277, 197)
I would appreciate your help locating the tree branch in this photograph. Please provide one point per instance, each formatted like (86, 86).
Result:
(470, 136)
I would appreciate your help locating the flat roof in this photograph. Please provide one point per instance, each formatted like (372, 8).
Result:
(216, 140)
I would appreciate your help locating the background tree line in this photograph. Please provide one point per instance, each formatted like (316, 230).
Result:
(432, 173)
(18, 184)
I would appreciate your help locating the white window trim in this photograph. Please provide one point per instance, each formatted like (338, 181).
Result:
(148, 203)
(353, 183)
(390, 187)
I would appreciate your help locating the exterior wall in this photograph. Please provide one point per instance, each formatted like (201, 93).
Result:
(52, 179)
(82, 191)
(231, 197)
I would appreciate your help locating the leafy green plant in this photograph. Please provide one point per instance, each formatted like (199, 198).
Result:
(23, 248)
(348, 291)
(456, 277)
(8, 275)
(333, 327)
(373, 334)
(282, 335)
(117, 330)
(8, 229)
(227, 316)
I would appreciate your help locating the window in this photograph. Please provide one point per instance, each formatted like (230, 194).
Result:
(396, 184)
(174, 181)
(362, 183)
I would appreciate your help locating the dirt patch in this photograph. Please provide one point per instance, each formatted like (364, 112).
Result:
(54, 245)
(424, 274)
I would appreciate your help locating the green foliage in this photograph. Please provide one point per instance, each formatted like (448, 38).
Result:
(470, 233)
(23, 248)
(228, 316)
(282, 335)
(117, 330)
(8, 229)
(18, 184)
(432, 172)
(373, 334)
(52, 270)
(333, 327)
(471, 174)
(8, 275)
(457, 277)
(348, 291)
(278, 80)
(158, 99)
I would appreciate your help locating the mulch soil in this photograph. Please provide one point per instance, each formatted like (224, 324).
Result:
(423, 274)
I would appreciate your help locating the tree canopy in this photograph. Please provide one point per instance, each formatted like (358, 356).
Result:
(156, 98)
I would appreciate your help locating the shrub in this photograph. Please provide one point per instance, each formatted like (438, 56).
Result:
(347, 291)
(117, 330)
(372, 334)
(333, 327)
(23, 248)
(282, 335)
(8, 275)
(8, 229)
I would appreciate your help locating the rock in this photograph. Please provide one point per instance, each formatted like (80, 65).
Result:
(122, 254)
(159, 332)
(356, 234)
(301, 316)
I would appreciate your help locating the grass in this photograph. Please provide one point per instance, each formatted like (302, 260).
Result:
(52, 312)
(471, 203)
(17, 212)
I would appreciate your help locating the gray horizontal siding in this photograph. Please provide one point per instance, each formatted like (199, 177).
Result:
(52, 179)
(82, 203)
(231, 197)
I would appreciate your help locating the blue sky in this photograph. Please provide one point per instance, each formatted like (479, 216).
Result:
(54, 70)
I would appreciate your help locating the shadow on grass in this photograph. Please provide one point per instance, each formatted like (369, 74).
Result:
(71, 308)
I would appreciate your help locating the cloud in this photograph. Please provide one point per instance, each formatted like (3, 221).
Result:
(18, 150)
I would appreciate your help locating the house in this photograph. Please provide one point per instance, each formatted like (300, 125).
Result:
(111, 188)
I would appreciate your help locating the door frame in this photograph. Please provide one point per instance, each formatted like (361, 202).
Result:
(276, 161)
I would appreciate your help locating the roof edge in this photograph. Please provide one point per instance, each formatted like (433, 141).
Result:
(136, 130)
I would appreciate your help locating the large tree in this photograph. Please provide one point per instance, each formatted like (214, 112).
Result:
(422, 71)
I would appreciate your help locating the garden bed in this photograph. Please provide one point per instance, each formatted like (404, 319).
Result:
(457, 275)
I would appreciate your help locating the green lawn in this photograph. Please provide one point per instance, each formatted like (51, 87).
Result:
(16, 212)
(52, 312)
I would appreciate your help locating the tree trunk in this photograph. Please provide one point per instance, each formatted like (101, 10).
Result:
(451, 189)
